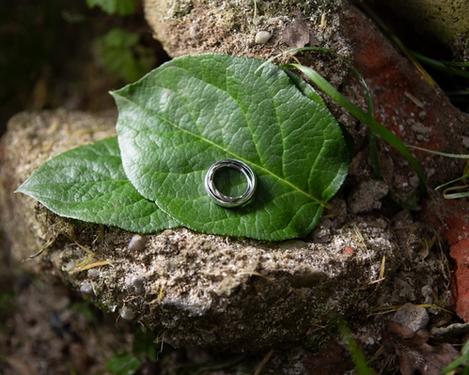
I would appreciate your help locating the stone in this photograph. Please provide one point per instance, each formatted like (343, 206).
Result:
(182, 282)
(126, 313)
(262, 37)
(465, 142)
(411, 316)
(297, 34)
(137, 243)
(367, 196)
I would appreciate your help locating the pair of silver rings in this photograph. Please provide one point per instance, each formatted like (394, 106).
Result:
(225, 200)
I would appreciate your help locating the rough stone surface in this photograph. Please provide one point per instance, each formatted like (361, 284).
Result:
(230, 26)
(197, 289)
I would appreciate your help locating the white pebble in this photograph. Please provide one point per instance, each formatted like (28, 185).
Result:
(262, 37)
(126, 313)
(137, 243)
(465, 141)
(86, 288)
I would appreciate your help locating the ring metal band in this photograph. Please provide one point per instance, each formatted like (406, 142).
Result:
(225, 200)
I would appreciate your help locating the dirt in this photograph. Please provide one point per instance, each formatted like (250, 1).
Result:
(50, 331)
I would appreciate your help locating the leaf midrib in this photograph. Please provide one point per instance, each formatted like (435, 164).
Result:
(266, 171)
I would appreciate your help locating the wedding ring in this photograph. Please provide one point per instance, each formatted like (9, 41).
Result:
(225, 200)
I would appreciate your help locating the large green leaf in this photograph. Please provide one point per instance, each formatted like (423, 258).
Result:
(185, 115)
(89, 184)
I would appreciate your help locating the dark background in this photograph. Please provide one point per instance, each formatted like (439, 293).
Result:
(49, 58)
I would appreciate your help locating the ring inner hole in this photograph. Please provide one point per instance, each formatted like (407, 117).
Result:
(230, 182)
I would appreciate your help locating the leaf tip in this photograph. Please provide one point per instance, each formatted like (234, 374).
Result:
(22, 188)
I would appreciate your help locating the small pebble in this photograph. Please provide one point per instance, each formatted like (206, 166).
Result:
(137, 284)
(411, 316)
(86, 288)
(465, 141)
(292, 244)
(137, 243)
(126, 313)
(418, 127)
(194, 31)
(427, 292)
(94, 273)
(367, 196)
(262, 37)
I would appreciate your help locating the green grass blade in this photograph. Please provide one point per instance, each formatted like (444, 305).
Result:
(463, 92)
(447, 193)
(376, 127)
(292, 51)
(463, 177)
(358, 358)
(439, 153)
(463, 360)
(447, 67)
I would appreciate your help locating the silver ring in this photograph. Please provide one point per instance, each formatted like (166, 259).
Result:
(225, 200)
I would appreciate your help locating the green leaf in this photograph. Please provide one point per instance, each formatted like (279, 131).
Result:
(358, 358)
(89, 184)
(120, 52)
(119, 7)
(123, 364)
(195, 110)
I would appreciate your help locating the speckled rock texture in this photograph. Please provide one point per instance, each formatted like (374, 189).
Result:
(195, 289)
(231, 26)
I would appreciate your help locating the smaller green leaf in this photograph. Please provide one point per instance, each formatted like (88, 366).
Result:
(88, 183)
(123, 364)
(120, 52)
(119, 7)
